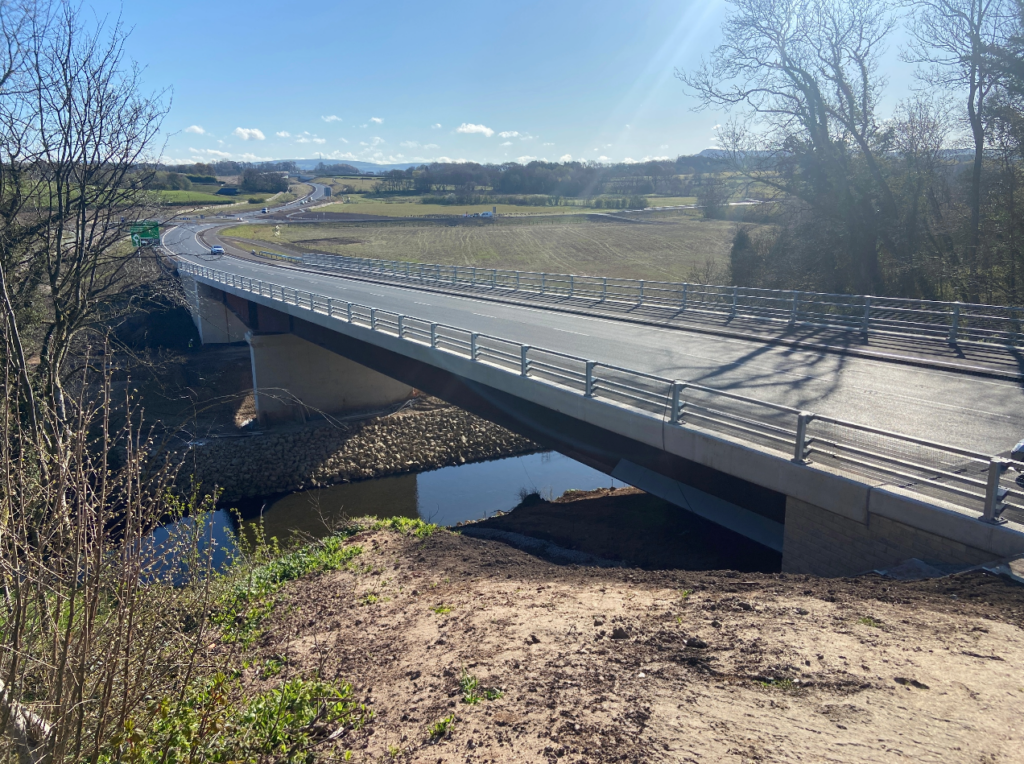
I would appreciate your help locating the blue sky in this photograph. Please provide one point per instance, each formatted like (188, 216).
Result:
(414, 81)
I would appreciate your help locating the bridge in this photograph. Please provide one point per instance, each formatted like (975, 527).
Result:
(756, 411)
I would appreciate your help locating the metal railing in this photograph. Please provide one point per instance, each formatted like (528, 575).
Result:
(946, 473)
(952, 322)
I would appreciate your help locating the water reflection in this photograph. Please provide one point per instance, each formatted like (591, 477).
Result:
(446, 496)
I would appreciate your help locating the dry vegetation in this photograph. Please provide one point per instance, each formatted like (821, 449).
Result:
(666, 249)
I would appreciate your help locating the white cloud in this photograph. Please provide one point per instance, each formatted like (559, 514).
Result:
(526, 160)
(451, 161)
(629, 160)
(377, 120)
(302, 139)
(655, 159)
(627, 127)
(663, 147)
(344, 141)
(249, 134)
(549, 144)
(509, 134)
(565, 158)
(283, 134)
(431, 146)
(507, 143)
(212, 153)
(319, 140)
(331, 118)
(471, 128)
(436, 126)
(195, 129)
(409, 144)
(603, 159)
(526, 137)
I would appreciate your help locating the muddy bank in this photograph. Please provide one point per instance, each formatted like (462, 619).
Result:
(598, 665)
(321, 454)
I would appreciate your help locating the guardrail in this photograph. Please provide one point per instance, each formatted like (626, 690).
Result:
(277, 256)
(957, 476)
(953, 322)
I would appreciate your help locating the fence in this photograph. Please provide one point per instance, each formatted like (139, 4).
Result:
(957, 476)
(953, 322)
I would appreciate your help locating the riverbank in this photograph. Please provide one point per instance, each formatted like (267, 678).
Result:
(425, 435)
(573, 664)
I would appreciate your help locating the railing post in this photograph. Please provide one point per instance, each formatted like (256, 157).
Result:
(373, 319)
(572, 285)
(995, 494)
(604, 288)
(473, 345)
(494, 278)
(800, 446)
(330, 307)
(686, 286)
(735, 294)
(588, 389)
(348, 311)
(796, 307)
(401, 326)
(524, 362)
(677, 402)
(433, 335)
(421, 271)
(473, 277)
(542, 284)
(954, 324)
(641, 292)
(866, 322)
(517, 281)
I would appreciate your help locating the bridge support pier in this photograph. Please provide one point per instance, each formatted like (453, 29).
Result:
(293, 378)
(216, 322)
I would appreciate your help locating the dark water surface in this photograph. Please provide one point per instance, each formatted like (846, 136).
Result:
(446, 496)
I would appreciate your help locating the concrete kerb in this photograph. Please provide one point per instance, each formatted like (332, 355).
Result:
(843, 496)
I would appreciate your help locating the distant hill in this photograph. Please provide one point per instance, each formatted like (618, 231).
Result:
(310, 164)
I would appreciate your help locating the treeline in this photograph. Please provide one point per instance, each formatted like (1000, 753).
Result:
(536, 200)
(230, 168)
(254, 180)
(330, 170)
(577, 180)
(920, 201)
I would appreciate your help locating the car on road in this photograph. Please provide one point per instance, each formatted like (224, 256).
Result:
(263, 210)
(216, 250)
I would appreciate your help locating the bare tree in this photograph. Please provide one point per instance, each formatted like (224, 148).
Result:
(74, 130)
(953, 40)
(804, 76)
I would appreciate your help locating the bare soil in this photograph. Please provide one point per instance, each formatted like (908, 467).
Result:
(602, 665)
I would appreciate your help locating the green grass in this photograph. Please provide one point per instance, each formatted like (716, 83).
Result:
(192, 197)
(442, 609)
(410, 206)
(668, 251)
(217, 723)
(442, 727)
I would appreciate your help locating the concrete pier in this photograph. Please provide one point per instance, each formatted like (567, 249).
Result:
(293, 379)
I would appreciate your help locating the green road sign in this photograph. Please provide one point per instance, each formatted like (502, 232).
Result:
(145, 230)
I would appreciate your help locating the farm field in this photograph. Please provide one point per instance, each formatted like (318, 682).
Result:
(191, 197)
(360, 184)
(669, 249)
(411, 207)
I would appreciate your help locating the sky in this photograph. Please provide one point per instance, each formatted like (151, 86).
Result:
(405, 81)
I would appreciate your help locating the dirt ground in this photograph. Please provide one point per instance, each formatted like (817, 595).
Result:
(622, 664)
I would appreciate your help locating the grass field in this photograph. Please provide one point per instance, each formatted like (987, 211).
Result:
(360, 184)
(409, 206)
(192, 197)
(670, 249)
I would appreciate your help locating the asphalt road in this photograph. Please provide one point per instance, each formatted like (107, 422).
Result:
(972, 412)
